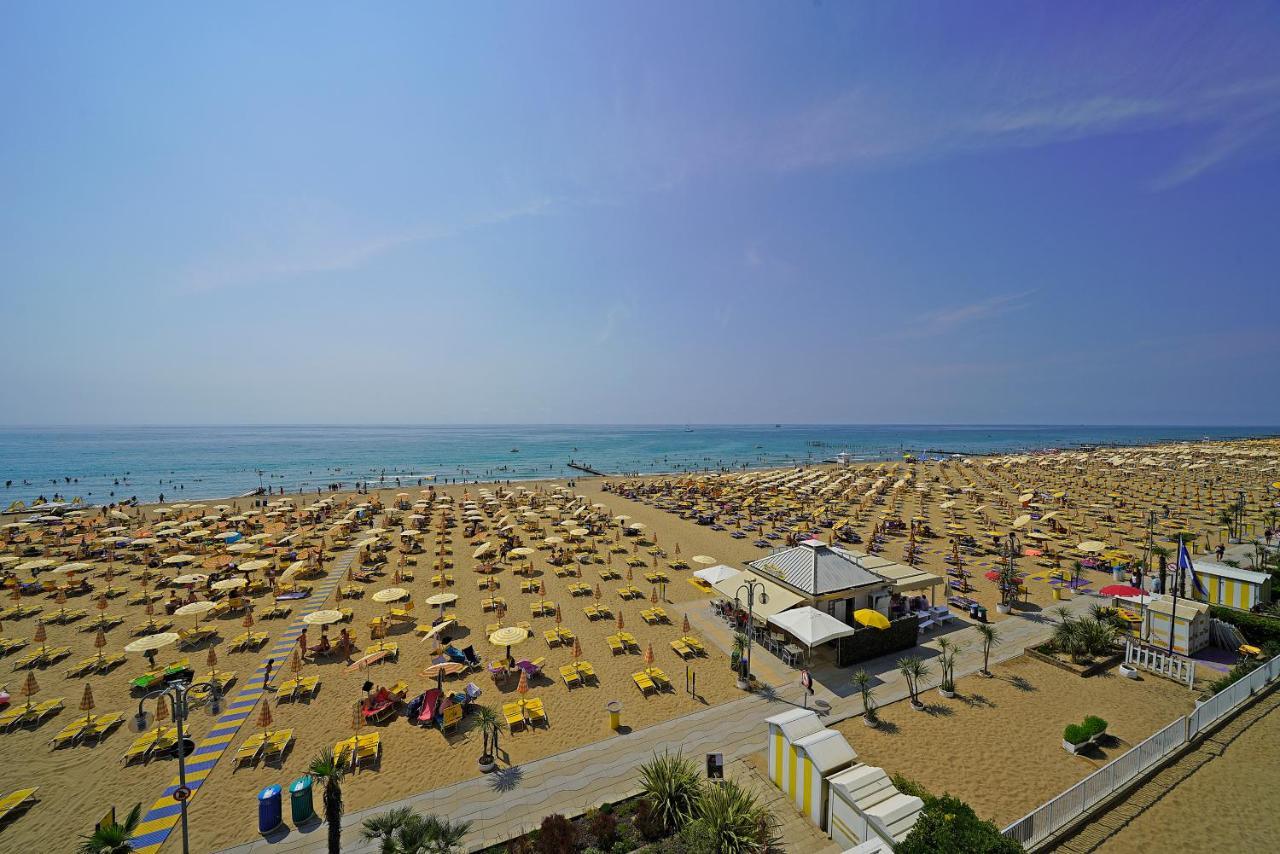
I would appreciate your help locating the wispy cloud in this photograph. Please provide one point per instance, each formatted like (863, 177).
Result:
(948, 319)
(316, 256)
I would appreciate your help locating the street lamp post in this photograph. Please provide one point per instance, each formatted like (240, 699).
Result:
(750, 587)
(178, 693)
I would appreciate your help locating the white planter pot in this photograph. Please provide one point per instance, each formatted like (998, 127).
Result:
(1095, 739)
(1128, 672)
(950, 695)
(1073, 749)
(743, 684)
(1002, 608)
(870, 722)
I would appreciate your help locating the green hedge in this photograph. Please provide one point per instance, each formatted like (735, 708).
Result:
(866, 643)
(1256, 628)
(1075, 734)
(1094, 725)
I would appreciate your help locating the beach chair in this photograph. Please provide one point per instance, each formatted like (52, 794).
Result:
(195, 637)
(69, 733)
(83, 666)
(47, 709)
(694, 644)
(615, 644)
(277, 743)
(142, 746)
(569, 674)
(379, 707)
(450, 717)
(15, 801)
(250, 750)
(286, 690)
(344, 752)
(307, 687)
(511, 712)
(586, 672)
(109, 661)
(27, 661)
(100, 726)
(12, 716)
(552, 637)
(534, 712)
(368, 748)
(643, 682)
(649, 617)
(681, 649)
(659, 678)
(629, 641)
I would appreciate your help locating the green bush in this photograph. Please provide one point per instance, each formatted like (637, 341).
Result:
(910, 787)
(948, 825)
(1075, 734)
(1094, 725)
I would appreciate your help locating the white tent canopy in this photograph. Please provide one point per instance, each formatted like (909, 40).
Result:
(716, 574)
(810, 626)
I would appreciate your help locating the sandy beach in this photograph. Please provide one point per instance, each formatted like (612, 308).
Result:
(1105, 496)
(998, 744)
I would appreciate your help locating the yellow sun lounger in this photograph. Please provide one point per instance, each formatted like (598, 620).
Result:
(569, 674)
(513, 715)
(681, 649)
(100, 726)
(251, 749)
(615, 644)
(534, 712)
(586, 671)
(643, 682)
(16, 800)
(70, 733)
(277, 743)
(368, 747)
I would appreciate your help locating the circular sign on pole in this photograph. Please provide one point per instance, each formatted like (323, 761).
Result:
(181, 793)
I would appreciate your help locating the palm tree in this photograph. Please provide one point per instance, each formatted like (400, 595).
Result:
(1062, 612)
(947, 660)
(113, 837)
(491, 722)
(327, 768)
(861, 680)
(739, 650)
(403, 831)
(913, 669)
(673, 787)
(736, 820)
(383, 827)
(990, 637)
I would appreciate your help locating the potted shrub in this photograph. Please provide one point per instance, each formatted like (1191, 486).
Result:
(1096, 727)
(1074, 738)
(738, 659)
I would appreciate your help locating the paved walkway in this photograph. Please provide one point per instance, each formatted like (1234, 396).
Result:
(605, 771)
(160, 820)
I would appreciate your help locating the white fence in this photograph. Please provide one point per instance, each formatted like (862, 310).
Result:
(1158, 661)
(1051, 817)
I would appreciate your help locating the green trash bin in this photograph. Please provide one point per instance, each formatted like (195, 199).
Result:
(300, 805)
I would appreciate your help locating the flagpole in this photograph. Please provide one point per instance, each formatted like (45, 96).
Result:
(1173, 614)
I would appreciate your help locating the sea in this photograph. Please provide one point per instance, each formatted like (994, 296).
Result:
(111, 464)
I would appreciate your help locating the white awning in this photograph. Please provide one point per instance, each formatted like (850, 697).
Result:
(778, 597)
(716, 574)
(810, 626)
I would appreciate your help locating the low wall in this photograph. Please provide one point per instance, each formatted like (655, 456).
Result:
(866, 643)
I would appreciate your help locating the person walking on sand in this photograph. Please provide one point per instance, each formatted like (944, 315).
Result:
(266, 673)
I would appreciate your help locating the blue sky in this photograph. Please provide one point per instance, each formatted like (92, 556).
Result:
(658, 212)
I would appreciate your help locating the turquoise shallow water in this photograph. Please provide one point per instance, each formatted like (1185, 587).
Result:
(115, 463)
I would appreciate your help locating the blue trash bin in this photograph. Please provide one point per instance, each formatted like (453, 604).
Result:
(270, 809)
(301, 808)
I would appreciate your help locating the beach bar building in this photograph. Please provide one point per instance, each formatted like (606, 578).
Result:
(1232, 586)
(1190, 624)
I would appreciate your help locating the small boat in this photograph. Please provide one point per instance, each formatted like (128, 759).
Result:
(515, 450)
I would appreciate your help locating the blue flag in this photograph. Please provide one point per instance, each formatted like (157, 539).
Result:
(1184, 565)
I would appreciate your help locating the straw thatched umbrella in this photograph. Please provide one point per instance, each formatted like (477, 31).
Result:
(86, 703)
(30, 688)
(577, 650)
(100, 641)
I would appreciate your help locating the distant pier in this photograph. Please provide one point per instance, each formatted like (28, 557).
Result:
(586, 468)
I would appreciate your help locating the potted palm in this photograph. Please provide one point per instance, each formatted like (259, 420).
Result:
(737, 658)
(913, 669)
(491, 723)
(948, 663)
(862, 680)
